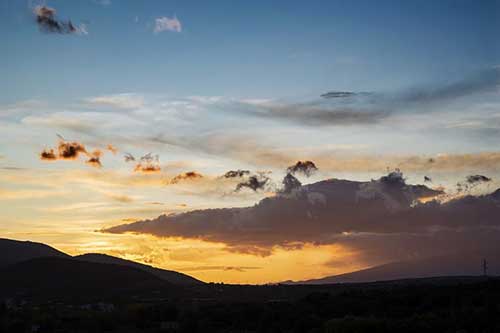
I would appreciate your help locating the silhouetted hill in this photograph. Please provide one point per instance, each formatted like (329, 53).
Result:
(12, 251)
(61, 276)
(462, 264)
(169, 276)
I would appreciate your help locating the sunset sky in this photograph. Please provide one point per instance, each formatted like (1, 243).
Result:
(208, 87)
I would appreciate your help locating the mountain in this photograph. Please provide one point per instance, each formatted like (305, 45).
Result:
(69, 277)
(166, 275)
(461, 264)
(12, 251)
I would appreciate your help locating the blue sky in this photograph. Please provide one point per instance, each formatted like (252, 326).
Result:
(258, 48)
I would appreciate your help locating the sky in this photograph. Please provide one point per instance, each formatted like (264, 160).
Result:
(201, 88)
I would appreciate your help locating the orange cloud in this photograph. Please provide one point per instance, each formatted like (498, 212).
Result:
(48, 155)
(190, 175)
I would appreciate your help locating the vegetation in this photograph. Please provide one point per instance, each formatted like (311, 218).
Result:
(430, 305)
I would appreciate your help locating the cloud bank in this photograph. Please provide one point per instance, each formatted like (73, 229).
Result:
(380, 219)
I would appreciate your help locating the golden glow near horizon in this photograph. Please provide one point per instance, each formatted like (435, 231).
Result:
(66, 205)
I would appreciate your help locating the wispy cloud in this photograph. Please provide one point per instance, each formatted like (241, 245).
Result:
(167, 24)
(118, 101)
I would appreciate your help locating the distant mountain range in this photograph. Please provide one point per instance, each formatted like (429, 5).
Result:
(35, 267)
(30, 266)
(12, 251)
(166, 275)
(460, 264)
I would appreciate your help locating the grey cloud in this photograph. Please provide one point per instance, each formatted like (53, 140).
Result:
(380, 219)
(254, 182)
(49, 23)
(306, 168)
(236, 173)
(290, 183)
(474, 179)
(338, 108)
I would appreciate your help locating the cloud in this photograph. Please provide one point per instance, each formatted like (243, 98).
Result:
(338, 94)
(190, 175)
(306, 168)
(219, 268)
(167, 24)
(318, 114)
(254, 182)
(474, 179)
(128, 157)
(338, 108)
(47, 22)
(95, 159)
(148, 163)
(124, 101)
(71, 150)
(48, 154)
(112, 149)
(483, 81)
(236, 173)
(381, 218)
(290, 183)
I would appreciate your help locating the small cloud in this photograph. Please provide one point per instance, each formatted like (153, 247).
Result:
(47, 22)
(191, 175)
(112, 149)
(167, 24)
(474, 179)
(254, 182)
(70, 150)
(148, 163)
(236, 173)
(305, 167)
(95, 159)
(48, 155)
(128, 157)
(338, 94)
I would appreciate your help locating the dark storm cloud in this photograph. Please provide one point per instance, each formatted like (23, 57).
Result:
(49, 23)
(381, 218)
(306, 168)
(190, 175)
